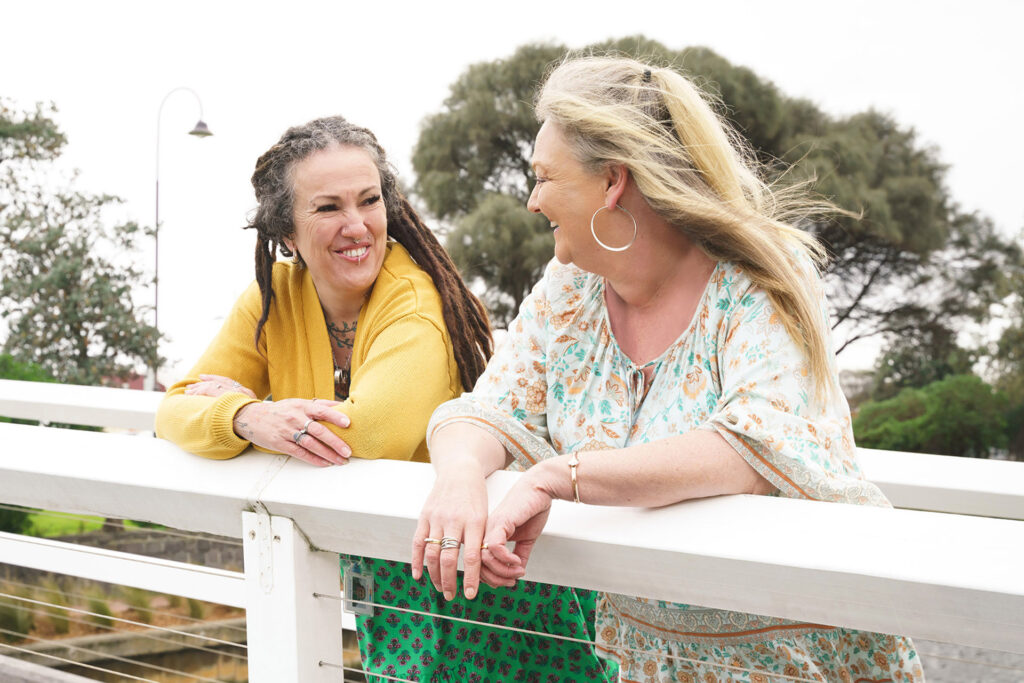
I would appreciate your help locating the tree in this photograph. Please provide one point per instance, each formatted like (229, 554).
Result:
(912, 257)
(1007, 356)
(67, 273)
(505, 245)
(929, 355)
(959, 415)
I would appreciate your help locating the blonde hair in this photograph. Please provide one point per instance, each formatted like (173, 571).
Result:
(700, 176)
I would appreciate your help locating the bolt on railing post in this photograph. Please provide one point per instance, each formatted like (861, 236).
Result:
(289, 630)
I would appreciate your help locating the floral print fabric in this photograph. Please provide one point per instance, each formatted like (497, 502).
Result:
(559, 382)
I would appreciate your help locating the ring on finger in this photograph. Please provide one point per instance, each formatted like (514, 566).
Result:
(448, 543)
(305, 427)
(436, 541)
(236, 384)
(297, 436)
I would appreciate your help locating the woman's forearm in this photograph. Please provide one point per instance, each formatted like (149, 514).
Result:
(460, 444)
(698, 464)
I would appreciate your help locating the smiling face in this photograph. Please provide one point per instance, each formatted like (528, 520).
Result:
(567, 194)
(340, 223)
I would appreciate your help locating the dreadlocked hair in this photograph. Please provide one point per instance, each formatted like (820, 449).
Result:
(272, 181)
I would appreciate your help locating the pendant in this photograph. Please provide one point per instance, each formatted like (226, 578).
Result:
(341, 376)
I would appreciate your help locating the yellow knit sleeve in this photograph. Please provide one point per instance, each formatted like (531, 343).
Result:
(202, 424)
(408, 371)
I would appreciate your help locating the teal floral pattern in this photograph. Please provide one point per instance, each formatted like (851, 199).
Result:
(559, 382)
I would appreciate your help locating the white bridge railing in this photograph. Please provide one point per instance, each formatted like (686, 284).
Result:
(950, 569)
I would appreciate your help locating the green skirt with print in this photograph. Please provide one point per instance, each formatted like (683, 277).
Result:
(429, 647)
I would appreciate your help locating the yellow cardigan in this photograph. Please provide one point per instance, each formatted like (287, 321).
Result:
(403, 365)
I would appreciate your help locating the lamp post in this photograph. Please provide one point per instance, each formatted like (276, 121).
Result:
(200, 130)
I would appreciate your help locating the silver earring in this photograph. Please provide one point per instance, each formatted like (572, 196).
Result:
(598, 240)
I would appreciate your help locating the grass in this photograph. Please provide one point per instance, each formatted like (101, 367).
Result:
(50, 525)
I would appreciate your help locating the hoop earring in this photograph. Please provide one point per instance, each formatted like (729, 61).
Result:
(602, 244)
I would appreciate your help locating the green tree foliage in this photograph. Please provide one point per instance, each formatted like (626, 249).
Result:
(959, 415)
(1007, 357)
(67, 272)
(481, 142)
(912, 257)
(498, 230)
(915, 361)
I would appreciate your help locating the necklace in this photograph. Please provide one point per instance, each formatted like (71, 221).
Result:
(342, 378)
(342, 337)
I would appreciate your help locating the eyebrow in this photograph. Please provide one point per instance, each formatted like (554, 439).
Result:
(361, 193)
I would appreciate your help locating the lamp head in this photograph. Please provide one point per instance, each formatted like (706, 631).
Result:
(201, 130)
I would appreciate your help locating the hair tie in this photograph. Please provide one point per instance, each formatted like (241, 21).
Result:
(647, 75)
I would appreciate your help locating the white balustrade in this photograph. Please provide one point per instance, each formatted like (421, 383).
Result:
(921, 572)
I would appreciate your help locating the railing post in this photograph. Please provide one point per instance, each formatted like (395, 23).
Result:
(289, 630)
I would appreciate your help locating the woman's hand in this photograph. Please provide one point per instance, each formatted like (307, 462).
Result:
(292, 426)
(519, 518)
(215, 385)
(456, 508)
(463, 456)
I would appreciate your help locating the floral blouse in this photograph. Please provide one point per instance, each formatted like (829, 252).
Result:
(559, 383)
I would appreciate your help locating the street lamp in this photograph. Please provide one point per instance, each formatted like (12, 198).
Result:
(200, 130)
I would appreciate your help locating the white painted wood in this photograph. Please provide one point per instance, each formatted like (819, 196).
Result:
(94, 406)
(290, 632)
(119, 475)
(910, 480)
(149, 573)
(942, 483)
(944, 577)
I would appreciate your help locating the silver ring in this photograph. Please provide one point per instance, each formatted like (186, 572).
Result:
(297, 436)
(305, 427)
(237, 384)
(448, 543)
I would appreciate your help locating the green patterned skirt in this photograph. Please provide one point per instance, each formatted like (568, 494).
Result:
(429, 647)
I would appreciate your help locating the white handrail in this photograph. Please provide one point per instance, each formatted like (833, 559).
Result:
(944, 577)
(149, 573)
(910, 480)
(73, 404)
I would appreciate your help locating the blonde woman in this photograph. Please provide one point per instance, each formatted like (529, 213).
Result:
(678, 347)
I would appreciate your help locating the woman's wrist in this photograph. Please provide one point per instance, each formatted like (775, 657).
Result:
(242, 422)
(553, 477)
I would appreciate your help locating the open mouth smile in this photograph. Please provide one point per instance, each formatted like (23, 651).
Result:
(356, 254)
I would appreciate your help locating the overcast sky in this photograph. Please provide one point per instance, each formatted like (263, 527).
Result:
(951, 70)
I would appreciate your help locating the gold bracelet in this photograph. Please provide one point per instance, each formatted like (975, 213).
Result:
(574, 462)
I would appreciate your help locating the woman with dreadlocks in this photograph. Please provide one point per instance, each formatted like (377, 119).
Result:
(371, 314)
(369, 317)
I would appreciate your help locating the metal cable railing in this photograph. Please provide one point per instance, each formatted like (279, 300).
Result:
(553, 636)
(81, 596)
(165, 629)
(95, 625)
(64, 660)
(116, 658)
